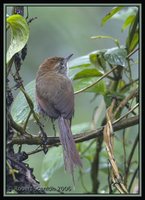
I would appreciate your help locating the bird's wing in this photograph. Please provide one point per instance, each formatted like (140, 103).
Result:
(56, 97)
(64, 101)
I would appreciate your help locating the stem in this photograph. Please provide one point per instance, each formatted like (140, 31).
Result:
(124, 151)
(95, 166)
(125, 101)
(132, 180)
(82, 182)
(131, 53)
(126, 114)
(27, 120)
(130, 158)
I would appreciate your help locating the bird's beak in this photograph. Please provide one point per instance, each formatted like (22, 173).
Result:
(67, 58)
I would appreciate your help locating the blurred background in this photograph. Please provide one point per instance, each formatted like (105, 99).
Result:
(60, 31)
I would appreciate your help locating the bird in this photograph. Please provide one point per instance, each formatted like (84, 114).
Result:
(55, 99)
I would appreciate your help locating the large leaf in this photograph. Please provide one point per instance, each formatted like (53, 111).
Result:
(19, 34)
(99, 88)
(20, 108)
(87, 73)
(116, 56)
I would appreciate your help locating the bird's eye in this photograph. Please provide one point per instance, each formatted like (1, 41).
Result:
(62, 64)
(62, 67)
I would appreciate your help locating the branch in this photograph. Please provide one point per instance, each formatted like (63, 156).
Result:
(131, 53)
(125, 101)
(54, 141)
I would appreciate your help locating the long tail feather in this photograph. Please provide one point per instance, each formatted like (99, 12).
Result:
(71, 156)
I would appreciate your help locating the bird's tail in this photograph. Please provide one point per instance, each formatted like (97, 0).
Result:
(71, 156)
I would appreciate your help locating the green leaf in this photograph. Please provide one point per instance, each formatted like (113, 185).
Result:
(128, 21)
(121, 84)
(80, 66)
(87, 73)
(134, 41)
(82, 83)
(108, 100)
(116, 56)
(110, 14)
(100, 87)
(19, 34)
(52, 162)
(20, 108)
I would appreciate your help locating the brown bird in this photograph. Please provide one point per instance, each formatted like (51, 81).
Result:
(55, 98)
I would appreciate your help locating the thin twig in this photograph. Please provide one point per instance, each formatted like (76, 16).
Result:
(125, 101)
(129, 84)
(131, 53)
(133, 177)
(16, 126)
(124, 152)
(109, 178)
(130, 158)
(27, 120)
(82, 181)
(95, 166)
(126, 114)
(105, 75)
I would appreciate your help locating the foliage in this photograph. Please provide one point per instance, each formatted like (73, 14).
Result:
(19, 34)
